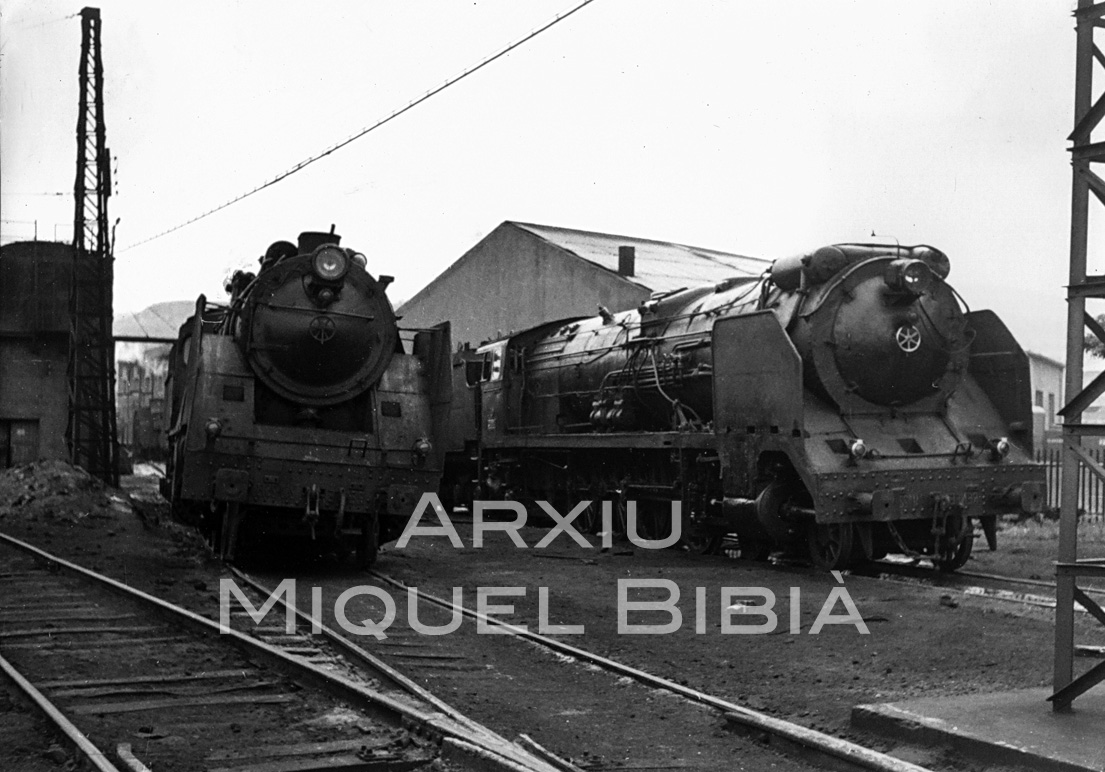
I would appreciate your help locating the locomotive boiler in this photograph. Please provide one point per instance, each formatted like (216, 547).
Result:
(300, 409)
(845, 401)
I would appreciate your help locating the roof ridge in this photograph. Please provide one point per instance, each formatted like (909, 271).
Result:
(700, 251)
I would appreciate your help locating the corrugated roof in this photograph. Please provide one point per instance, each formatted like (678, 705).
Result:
(660, 266)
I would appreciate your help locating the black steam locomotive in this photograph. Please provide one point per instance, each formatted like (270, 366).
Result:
(300, 408)
(845, 401)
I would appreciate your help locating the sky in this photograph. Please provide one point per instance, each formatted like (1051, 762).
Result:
(760, 128)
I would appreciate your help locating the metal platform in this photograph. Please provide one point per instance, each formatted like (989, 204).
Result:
(1015, 728)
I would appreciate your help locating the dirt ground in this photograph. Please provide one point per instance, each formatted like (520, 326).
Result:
(921, 640)
(1029, 549)
(27, 743)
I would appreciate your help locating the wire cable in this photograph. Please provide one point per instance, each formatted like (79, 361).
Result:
(141, 326)
(32, 24)
(303, 164)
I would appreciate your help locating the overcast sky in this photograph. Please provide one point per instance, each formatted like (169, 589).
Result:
(762, 128)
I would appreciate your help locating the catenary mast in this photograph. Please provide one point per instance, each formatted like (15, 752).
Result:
(91, 432)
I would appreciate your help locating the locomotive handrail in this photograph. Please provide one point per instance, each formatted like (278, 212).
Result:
(280, 307)
(874, 454)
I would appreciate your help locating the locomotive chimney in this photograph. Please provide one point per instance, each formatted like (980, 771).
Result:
(309, 241)
(627, 257)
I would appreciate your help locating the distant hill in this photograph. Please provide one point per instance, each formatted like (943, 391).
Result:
(161, 320)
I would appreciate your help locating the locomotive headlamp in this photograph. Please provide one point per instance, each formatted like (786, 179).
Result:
(905, 275)
(359, 259)
(330, 263)
(858, 449)
(999, 449)
(213, 427)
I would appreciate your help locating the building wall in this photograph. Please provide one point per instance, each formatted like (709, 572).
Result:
(513, 280)
(140, 403)
(34, 350)
(34, 395)
(1047, 389)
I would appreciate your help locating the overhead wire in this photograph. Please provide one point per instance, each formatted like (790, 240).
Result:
(28, 195)
(305, 163)
(141, 326)
(32, 24)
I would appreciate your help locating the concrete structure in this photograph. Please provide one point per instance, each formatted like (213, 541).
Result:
(1008, 729)
(522, 274)
(34, 350)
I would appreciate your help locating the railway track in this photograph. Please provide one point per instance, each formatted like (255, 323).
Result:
(137, 683)
(979, 584)
(572, 682)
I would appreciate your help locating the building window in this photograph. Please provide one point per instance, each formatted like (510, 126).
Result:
(1039, 398)
(1050, 409)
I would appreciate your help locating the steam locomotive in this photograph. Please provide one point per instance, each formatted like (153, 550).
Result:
(844, 403)
(300, 409)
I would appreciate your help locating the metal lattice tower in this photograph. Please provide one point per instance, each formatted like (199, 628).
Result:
(1069, 569)
(91, 433)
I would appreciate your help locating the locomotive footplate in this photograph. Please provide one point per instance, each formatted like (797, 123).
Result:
(883, 496)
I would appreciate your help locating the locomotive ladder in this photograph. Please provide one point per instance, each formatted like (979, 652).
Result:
(1084, 153)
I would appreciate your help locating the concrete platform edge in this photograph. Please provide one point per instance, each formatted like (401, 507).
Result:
(891, 721)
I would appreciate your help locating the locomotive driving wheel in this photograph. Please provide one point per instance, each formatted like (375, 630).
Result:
(368, 540)
(832, 545)
(590, 520)
(653, 519)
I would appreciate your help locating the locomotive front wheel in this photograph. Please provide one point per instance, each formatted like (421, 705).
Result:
(831, 545)
(957, 557)
(588, 520)
(700, 540)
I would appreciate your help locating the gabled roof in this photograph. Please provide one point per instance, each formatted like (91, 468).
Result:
(660, 266)
(1045, 358)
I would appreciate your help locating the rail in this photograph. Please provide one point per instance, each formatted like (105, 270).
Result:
(829, 751)
(462, 741)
